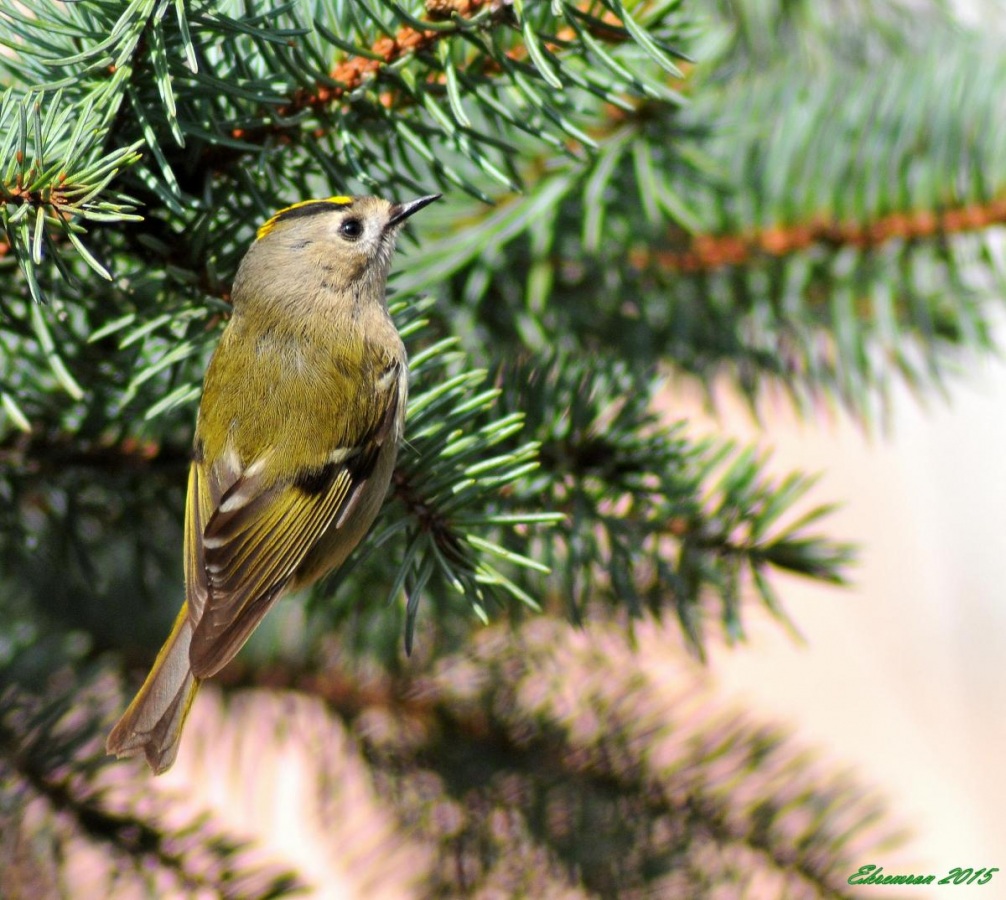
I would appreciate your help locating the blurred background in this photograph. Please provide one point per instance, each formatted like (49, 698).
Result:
(900, 673)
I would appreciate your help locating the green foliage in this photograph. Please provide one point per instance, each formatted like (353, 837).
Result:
(56, 792)
(862, 196)
(724, 190)
(211, 116)
(801, 222)
(647, 508)
(584, 776)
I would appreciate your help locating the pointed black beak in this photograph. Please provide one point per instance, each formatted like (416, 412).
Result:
(401, 211)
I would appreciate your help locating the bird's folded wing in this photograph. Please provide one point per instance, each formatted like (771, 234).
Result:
(250, 547)
(245, 536)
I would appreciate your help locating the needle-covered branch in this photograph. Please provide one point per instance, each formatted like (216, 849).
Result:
(49, 808)
(655, 520)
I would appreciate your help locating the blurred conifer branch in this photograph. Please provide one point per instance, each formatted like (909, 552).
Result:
(57, 802)
(547, 762)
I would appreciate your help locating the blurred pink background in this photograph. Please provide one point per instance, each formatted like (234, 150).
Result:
(903, 674)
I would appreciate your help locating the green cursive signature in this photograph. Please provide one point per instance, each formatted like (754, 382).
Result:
(870, 874)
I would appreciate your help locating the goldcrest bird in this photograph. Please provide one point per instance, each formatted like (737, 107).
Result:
(302, 410)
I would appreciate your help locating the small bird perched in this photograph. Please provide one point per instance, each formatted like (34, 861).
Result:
(303, 407)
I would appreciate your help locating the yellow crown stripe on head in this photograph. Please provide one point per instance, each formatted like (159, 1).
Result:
(301, 209)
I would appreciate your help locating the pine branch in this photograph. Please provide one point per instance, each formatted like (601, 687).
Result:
(454, 530)
(339, 100)
(353, 71)
(53, 762)
(627, 782)
(750, 32)
(764, 274)
(55, 177)
(46, 454)
(799, 220)
(715, 251)
(653, 520)
(153, 84)
(623, 509)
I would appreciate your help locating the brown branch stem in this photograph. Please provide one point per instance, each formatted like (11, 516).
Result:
(707, 252)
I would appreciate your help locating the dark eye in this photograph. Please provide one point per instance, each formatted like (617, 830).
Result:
(351, 229)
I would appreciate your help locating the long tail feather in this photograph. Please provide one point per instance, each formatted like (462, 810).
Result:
(152, 725)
